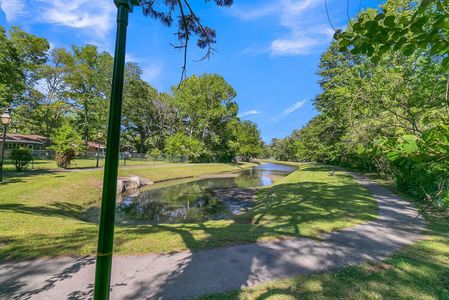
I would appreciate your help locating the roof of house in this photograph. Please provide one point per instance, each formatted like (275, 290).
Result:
(26, 138)
(96, 145)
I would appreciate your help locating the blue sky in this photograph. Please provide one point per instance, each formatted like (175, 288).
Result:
(267, 50)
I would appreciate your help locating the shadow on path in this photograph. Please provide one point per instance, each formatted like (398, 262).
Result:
(190, 274)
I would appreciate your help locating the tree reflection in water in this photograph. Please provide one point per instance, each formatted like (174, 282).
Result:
(194, 201)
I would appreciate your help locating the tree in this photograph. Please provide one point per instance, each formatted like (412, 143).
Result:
(283, 149)
(147, 115)
(89, 77)
(12, 80)
(249, 141)
(32, 51)
(206, 106)
(383, 105)
(405, 26)
(45, 110)
(189, 24)
(20, 57)
(67, 143)
(181, 144)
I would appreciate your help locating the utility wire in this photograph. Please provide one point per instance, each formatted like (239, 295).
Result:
(347, 10)
(328, 15)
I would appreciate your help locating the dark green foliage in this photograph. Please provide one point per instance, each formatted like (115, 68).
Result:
(421, 163)
(405, 26)
(383, 105)
(249, 141)
(208, 113)
(21, 158)
(181, 144)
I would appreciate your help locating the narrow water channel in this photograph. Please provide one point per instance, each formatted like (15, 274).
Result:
(183, 201)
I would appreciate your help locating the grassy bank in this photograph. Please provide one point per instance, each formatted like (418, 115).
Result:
(420, 271)
(45, 214)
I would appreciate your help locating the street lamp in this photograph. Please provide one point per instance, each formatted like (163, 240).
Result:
(5, 119)
(99, 137)
(107, 215)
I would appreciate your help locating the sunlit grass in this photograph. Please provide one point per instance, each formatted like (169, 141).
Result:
(48, 214)
(81, 163)
(420, 271)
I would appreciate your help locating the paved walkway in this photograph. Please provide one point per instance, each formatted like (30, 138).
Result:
(183, 275)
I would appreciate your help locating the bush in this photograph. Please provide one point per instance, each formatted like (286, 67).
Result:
(67, 143)
(421, 163)
(21, 158)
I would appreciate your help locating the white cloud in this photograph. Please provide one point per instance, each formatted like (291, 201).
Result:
(130, 58)
(248, 113)
(151, 72)
(293, 46)
(306, 28)
(13, 9)
(250, 14)
(94, 17)
(293, 108)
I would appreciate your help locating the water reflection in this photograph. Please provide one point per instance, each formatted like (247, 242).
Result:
(194, 201)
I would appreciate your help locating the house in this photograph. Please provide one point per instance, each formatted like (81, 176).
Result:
(31, 141)
(94, 147)
(36, 143)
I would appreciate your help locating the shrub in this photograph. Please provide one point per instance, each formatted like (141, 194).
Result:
(67, 143)
(421, 163)
(21, 158)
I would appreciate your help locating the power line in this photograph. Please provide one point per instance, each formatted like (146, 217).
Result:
(328, 15)
(347, 11)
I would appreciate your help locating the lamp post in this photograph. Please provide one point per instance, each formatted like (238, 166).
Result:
(107, 216)
(99, 137)
(5, 119)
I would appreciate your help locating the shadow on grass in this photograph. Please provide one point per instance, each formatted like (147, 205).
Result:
(56, 209)
(10, 177)
(284, 210)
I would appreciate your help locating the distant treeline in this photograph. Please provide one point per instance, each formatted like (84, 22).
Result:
(63, 94)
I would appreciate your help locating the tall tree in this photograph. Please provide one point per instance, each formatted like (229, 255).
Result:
(147, 115)
(46, 108)
(249, 141)
(89, 77)
(206, 105)
(21, 55)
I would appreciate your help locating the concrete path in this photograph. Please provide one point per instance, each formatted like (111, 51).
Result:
(183, 275)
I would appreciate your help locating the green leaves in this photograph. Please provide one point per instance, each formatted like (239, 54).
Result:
(390, 21)
(415, 28)
(409, 146)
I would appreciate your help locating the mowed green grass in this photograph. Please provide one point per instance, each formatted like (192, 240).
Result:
(420, 271)
(48, 214)
(79, 163)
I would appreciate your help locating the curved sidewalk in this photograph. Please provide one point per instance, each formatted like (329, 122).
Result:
(184, 275)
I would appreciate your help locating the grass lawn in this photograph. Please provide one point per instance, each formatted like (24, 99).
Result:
(420, 271)
(80, 163)
(44, 214)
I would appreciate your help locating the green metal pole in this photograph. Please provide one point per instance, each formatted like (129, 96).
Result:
(3, 152)
(107, 217)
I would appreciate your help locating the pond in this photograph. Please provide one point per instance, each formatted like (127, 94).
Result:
(196, 200)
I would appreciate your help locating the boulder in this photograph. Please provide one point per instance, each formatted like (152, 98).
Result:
(135, 180)
(120, 186)
(145, 182)
(131, 183)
